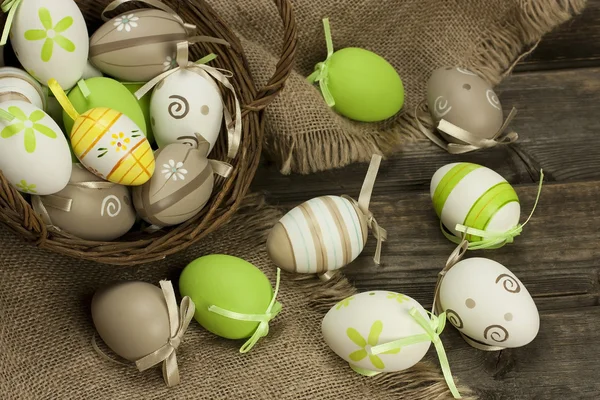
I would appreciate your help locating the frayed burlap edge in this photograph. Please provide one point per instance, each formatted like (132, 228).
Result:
(499, 50)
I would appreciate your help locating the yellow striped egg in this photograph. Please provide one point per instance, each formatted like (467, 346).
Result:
(113, 147)
(474, 196)
(322, 234)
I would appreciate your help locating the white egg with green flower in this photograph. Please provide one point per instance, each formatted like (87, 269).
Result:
(34, 153)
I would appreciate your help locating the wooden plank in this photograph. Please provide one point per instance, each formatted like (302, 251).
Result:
(575, 44)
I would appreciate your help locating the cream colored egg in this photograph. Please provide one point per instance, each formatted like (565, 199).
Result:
(34, 153)
(16, 84)
(50, 39)
(488, 303)
(355, 325)
(186, 103)
(474, 196)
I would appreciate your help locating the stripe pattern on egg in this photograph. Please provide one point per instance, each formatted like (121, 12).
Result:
(322, 234)
(474, 196)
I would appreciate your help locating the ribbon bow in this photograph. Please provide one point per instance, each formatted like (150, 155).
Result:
(179, 322)
(10, 7)
(433, 329)
(321, 73)
(234, 128)
(473, 142)
(490, 239)
(263, 327)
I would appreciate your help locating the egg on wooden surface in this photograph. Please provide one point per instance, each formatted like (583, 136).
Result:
(474, 196)
(462, 98)
(187, 102)
(131, 318)
(89, 207)
(323, 234)
(137, 45)
(486, 302)
(368, 319)
(230, 283)
(50, 38)
(112, 146)
(34, 153)
(16, 84)
(180, 188)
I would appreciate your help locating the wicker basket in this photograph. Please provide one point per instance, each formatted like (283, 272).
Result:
(138, 247)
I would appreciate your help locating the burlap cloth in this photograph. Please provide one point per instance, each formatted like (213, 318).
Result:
(46, 329)
(415, 36)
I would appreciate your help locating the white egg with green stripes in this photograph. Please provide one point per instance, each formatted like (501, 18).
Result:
(474, 196)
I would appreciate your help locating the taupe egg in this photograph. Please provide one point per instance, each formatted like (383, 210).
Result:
(180, 188)
(131, 318)
(88, 207)
(16, 84)
(462, 98)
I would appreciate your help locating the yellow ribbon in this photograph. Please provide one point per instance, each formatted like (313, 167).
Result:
(473, 141)
(321, 73)
(11, 7)
(234, 128)
(62, 99)
(433, 329)
(263, 327)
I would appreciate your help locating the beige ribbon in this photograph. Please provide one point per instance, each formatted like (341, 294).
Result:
(363, 205)
(474, 142)
(234, 128)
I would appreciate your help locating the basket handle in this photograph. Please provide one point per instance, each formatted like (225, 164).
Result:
(286, 63)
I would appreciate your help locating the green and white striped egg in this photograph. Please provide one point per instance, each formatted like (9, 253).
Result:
(323, 234)
(474, 196)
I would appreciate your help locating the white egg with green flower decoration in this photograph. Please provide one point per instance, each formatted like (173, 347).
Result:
(50, 38)
(34, 153)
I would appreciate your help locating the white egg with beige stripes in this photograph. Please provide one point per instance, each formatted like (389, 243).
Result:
(476, 197)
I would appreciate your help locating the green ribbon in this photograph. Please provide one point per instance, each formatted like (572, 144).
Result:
(263, 327)
(83, 87)
(5, 115)
(492, 240)
(9, 6)
(433, 328)
(321, 73)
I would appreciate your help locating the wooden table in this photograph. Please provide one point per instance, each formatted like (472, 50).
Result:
(557, 93)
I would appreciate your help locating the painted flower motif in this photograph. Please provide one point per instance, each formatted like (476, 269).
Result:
(344, 303)
(28, 124)
(120, 141)
(51, 34)
(126, 22)
(365, 345)
(170, 63)
(400, 298)
(25, 187)
(174, 170)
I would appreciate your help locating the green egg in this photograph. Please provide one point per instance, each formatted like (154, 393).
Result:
(105, 92)
(365, 86)
(144, 103)
(230, 283)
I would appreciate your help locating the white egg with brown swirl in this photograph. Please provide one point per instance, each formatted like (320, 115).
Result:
(487, 303)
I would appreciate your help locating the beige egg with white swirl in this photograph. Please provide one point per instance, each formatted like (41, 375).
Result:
(186, 103)
(89, 207)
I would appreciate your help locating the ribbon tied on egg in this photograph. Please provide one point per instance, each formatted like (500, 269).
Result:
(10, 7)
(321, 73)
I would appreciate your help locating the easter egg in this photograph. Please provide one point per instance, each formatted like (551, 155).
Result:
(16, 84)
(488, 303)
(50, 39)
(105, 92)
(230, 283)
(364, 85)
(322, 234)
(179, 189)
(34, 153)
(112, 146)
(91, 72)
(462, 98)
(131, 318)
(144, 104)
(368, 319)
(187, 102)
(88, 207)
(137, 45)
(474, 196)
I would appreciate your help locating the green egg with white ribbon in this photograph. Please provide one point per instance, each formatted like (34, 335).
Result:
(476, 202)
